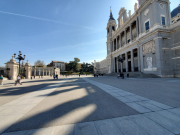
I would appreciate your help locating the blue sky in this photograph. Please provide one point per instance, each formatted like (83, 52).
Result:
(57, 29)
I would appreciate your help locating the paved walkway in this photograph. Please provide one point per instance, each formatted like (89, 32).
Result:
(98, 109)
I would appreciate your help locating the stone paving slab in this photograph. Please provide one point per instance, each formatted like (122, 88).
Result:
(124, 100)
(107, 127)
(149, 106)
(128, 127)
(86, 128)
(62, 130)
(42, 131)
(163, 106)
(133, 98)
(175, 111)
(163, 121)
(138, 107)
(171, 116)
(149, 126)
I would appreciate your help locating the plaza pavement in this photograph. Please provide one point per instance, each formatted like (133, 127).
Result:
(91, 106)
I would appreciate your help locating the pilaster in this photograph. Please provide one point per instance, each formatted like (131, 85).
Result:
(125, 35)
(130, 32)
(141, 59)
(159, 55)
(126, 59)
(132, 61)
(120, 44)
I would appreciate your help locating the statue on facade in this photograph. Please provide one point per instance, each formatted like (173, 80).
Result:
(135, 7)
(129, 13)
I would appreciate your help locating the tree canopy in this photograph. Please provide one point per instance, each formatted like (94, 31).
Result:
(86, 67)
(73, 65)
(39, 63)
(76, 60)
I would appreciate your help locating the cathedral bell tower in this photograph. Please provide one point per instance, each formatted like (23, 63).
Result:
(111, 28)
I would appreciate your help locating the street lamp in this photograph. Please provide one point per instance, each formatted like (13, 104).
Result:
(121, 60)
(19, 58)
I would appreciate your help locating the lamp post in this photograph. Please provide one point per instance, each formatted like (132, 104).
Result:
(19, 58)
(121, 60)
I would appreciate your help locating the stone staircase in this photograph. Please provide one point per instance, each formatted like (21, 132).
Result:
(135, 75)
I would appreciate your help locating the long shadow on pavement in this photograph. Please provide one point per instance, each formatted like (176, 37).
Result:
(104, 107)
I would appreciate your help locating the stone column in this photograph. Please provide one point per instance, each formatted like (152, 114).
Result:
(130, 32)
(43, 72)
(132, 61)
(39, 72)
(117, 64)
(114, 64)
(113, 45)
(126, 59)
(34, 71)
(141, 59)
(116, 44)
(28, 70)
(137, 28)
(49, 72)
(121, 65)
(120, 45)
(139, 22)
(169, 18)
(138, 53)
(46, 72)
(159, 55)
(125, 35)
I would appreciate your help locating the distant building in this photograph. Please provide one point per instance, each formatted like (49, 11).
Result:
(57, 64)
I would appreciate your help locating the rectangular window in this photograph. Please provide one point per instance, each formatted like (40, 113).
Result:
(163, 20)
(147, 25)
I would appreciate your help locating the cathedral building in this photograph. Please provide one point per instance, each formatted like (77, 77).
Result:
(148, 40)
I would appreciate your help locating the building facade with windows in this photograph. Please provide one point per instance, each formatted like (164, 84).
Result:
(57, 64)
(147, 40)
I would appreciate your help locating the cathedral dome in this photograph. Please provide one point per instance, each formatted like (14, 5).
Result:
(175, 11)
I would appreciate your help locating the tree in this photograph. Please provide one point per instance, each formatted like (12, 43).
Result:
(86, 67)
(76, 60)
(73, 65)
(39, 63)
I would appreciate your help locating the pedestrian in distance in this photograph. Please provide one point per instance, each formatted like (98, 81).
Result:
(31, 77)
(18, 80)
(34, 76)
(79, 75)
(57, 76)
(54, 76)
(1, 80)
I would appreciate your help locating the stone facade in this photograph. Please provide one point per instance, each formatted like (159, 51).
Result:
(57, 64)
(147, 40)
(11, 70)
(44, 71)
